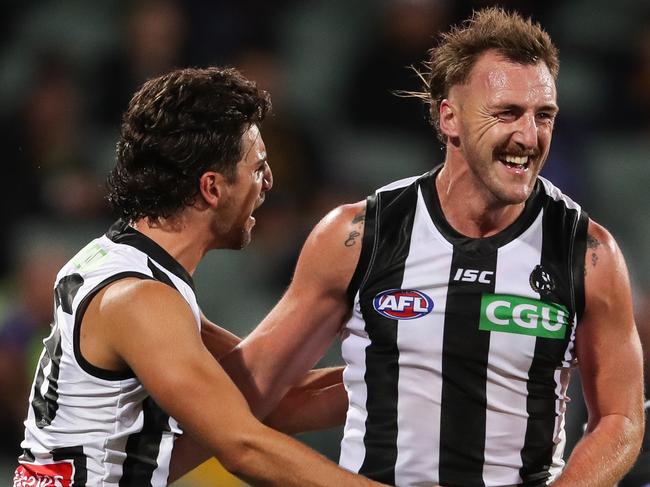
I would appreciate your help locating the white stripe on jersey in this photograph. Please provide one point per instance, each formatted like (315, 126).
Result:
(353, 343)
(420, 358)
(508, 363)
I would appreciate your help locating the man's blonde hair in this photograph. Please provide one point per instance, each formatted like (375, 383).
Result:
(450, 63)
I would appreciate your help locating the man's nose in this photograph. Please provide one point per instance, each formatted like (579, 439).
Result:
(268, 179)
(526, 131)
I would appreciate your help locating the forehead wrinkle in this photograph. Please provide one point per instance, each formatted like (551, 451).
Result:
(539, 96)
(533, 82)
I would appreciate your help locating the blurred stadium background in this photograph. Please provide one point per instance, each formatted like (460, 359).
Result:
(69, 68)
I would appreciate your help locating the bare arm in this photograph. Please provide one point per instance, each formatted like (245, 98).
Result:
(307, 410)
(149, 324)
(216, 339)
(317, 402)
(220, 342)
(609, 357)
(303, 324)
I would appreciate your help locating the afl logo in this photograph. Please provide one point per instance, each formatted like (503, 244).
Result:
(402, 304)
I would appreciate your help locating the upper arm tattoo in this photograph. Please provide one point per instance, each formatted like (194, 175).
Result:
(592, 244)
(358, 220)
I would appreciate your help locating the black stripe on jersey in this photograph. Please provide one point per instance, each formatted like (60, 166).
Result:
(46, 405)
(76, 454)
(27, 456)
(367, 248)
(464, 374)
(397, 210)
(578, 254)
(81, 310)
(142, 448)
(559, 228)
(159, 275)
(66, 290)
(122, 233)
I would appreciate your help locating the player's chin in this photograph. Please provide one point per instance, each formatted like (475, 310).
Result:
(517, 195)
(240, 239)
(246, 238)
(244, 243)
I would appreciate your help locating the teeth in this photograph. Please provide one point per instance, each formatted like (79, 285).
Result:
(520, 161)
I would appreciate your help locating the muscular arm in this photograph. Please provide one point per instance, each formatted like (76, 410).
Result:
(609, 357)
(318, 400)
(308, 405)
(312, 406)
(151, 329)
(303, 324)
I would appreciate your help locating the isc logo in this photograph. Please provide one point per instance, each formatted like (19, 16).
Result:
(402, 304)
(473, 275)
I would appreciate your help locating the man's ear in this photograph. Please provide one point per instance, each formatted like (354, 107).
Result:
(448, 119)
(212, 186)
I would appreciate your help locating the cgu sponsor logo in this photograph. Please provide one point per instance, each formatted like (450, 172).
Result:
(402, 304)
(524, 316)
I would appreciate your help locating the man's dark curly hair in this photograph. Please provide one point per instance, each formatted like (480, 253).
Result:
(178, 126)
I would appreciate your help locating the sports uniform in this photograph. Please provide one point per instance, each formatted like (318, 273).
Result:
(86, 425)
(458, 350)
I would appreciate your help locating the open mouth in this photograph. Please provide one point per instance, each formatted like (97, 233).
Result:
(260, 201)
(518, 163)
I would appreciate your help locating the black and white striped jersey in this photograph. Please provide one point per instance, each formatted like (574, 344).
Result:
(86, 425)
(458, 350)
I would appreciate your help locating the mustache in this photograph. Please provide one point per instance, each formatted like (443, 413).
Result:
(516, 151)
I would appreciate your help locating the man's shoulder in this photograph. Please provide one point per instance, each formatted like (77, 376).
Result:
(600, 245)
(346, 220)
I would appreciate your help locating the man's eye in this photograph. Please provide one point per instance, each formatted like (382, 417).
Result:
(507, 115)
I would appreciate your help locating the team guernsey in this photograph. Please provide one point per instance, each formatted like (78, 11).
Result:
(86, 425)
(458, 350)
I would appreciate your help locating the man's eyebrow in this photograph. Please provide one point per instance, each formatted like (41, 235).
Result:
(550, 107)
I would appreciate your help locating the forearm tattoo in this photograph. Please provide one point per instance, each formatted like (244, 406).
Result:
(358, 220)
(592, 244)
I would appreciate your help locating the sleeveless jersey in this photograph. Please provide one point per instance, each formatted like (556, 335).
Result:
(86, 425)
(458, 350)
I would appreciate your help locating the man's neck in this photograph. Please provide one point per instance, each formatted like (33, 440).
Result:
(178, 237)
(468, 207)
